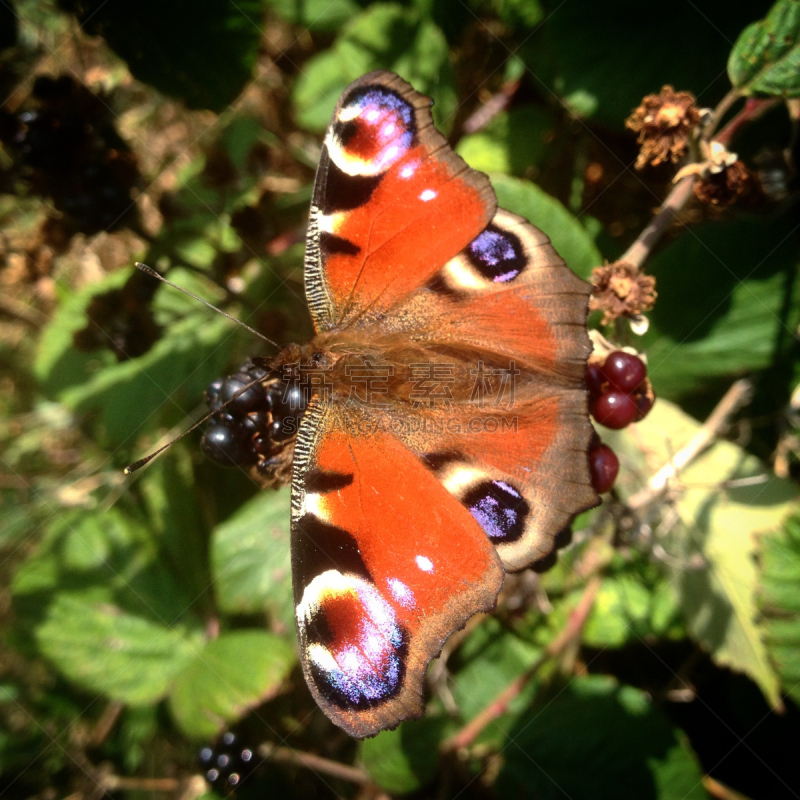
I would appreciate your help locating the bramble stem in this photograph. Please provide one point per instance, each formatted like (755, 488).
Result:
(287, 755)
(719, 112)
(734, 399)
(640, 250)
(753, 108)
(569, 634)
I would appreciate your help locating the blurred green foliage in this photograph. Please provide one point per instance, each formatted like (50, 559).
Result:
(142, 616)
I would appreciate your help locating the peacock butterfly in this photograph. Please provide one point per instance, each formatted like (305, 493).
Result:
(435, 430)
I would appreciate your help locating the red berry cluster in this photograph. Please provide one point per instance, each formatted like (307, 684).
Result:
(619, 393)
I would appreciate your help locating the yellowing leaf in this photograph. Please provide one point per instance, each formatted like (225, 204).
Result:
(725, 500)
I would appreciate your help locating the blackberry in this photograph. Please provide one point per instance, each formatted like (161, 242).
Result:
(228, 445)
(227, 762)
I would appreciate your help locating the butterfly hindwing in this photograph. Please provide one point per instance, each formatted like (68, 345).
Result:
(385, 565)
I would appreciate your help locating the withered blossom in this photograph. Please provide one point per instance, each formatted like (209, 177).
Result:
(725, 187)
(621, 290)
(664, 122)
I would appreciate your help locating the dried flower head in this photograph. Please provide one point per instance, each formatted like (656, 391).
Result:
(664, 122)
(725, 187)
(621, 290)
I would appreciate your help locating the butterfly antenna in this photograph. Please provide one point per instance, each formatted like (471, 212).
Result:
(137, 465)
(150, 271)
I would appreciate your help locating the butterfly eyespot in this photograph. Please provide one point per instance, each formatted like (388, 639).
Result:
(499, 509)
(438, 461)
(497, 255)
(374, 128)
(355, 642)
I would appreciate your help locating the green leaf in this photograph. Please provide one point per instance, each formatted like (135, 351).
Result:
(513, 142)
(405, 759)
(164, 385)
(489, 659)
(780, 602)
(627, 608)
(592, 738)
(174, 511)
(385, 36)
(745, 301)
(766, 57)
(106, 650)
(230, 674)
(601, 60)
(105, 554)
(569, 237)
(200, 51)
(125, 396)
(316, 15)
(521, 14)
(725, 499)
(250, 559)
(58, 363)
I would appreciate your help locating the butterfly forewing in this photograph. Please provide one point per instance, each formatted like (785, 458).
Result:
(392, 203)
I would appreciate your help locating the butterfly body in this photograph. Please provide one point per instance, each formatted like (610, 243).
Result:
(443, 429)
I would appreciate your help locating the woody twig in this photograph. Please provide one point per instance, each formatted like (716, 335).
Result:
(570, 634)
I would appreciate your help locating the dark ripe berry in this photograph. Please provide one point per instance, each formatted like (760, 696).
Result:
(241, 399)
(614, 410)
(293, 400)
(227, 762)
(624, 371)
(254, 371)
(594, 381)
(227, 445)
(603, 468)
(643, 405)
(263, 444)
(258, 421)
(281, 430)
(212, 393)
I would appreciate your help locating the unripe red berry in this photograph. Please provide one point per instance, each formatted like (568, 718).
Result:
(624, 371)
(594, 381)
(603, 468)
(614, 410)
(644, 403)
